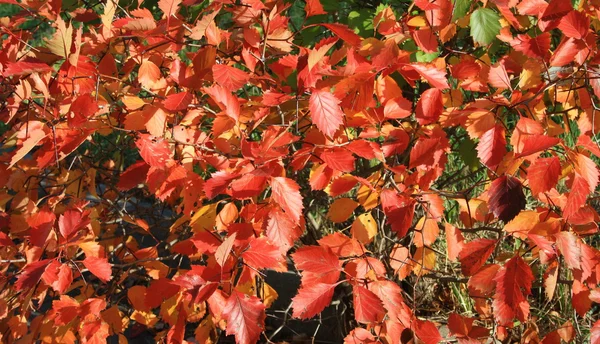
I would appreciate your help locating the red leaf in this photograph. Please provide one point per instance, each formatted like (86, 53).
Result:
(313, 8)
(325, 111)
(422, 152)
(390, 295)
(492, 146)
(556, 9)
(566, 51)
(26, 66)
(281, 230)
(434, 76)
(367, 306)
(100, 267)
(575, 25)
(427, 332)
(58, 276)
(425, 39)
(286, 193)
(40, 224)
(343, 32)
(537, 47)
(513, 284)
(360, 336)
(133, 176)
(65, 310)
(396, 142)
(159, 291)
(249, 185)
(339, 159)
(429, 107)
(341, 245)
(506, 198)
(482, 283)
(178, 101)
(317, 260)
(365, 149)
(543, 174)
(463, 329)
(84, 107)
(245, 317)
(398, 107)
(312, 300)
(225, 100)
(567, 244)
(595, 333)
(31, 274)
(454, 241)
(399, 210)
(260, 254)
(474, 254)
(230, 78)
(498, 77)
(581, 301)
(577, 196)
(586, 168)
(218, 183)
(537, 143)
(72, 221)
(586, 142)
(155, 151)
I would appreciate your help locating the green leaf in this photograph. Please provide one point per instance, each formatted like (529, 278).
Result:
(9, 10)
(461, 8)
(363, 21)
(467, 152)
(485, 25)
(330, 5)
(426, 57)
(297, 14)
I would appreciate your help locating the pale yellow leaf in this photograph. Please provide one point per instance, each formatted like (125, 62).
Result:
(60, 43)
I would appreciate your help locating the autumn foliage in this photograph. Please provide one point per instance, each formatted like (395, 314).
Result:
(432, 166)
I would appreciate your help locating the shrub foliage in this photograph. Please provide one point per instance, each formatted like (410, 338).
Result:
(430, 165)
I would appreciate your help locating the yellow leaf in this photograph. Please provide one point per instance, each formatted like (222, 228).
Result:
(115, 320)
(204, 218)
(364, 228)
(133, 102)
(169, 311)
(417, 21)
(268, 295)
(204, 330)
(424, 260)
(60, 43)
(144, 318)
(156, 269)
(520, 226)
(341, 209)
(530, 75)
(367, 197)
(107, 17)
